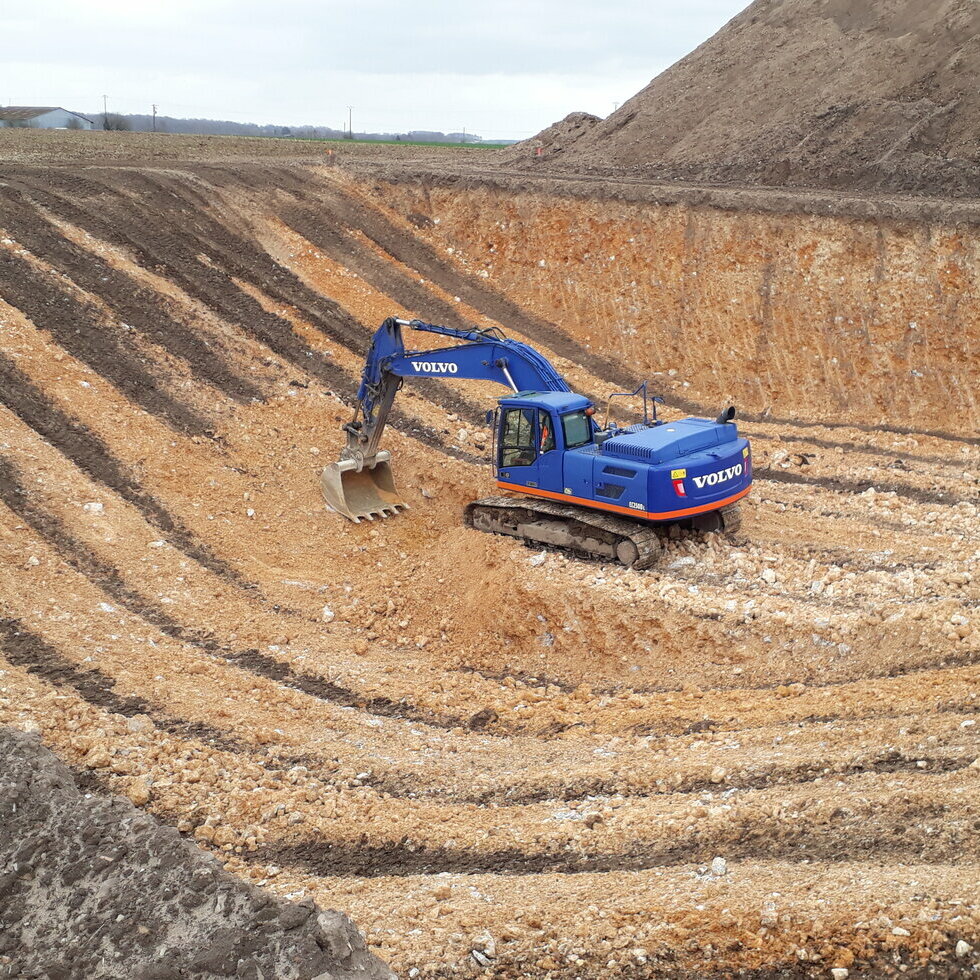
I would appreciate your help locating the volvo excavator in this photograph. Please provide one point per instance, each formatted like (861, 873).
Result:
(606, 491)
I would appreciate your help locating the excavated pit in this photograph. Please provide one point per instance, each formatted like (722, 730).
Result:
(759, 756)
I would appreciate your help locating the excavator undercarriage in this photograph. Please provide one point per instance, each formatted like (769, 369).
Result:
(585, 531)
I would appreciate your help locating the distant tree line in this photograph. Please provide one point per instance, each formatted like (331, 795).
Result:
(115, 121)
(224, 127)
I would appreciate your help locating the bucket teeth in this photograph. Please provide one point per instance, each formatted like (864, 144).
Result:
(381, 513)
(361, 494)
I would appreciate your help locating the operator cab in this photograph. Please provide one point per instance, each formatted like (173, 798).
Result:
(534, 429)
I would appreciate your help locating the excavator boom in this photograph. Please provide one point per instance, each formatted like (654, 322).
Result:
(360, 485)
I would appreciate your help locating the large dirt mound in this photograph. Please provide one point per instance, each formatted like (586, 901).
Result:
(92, 887)
(876, 94)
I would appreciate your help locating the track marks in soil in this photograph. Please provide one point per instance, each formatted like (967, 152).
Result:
(840, 485)
(90, 454)
(894, 834)
(567, 788)
(814, 838)
(108, 578)
(347, 251)
(73, 552)
(139, 307)
(639, 754)
(80, 330)
(409, 250)
(203, 257)
(32, 653)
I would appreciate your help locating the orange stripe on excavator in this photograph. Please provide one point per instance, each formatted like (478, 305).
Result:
(645, 514)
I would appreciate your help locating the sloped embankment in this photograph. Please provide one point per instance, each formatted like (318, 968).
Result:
(794, 317)
(877, 94)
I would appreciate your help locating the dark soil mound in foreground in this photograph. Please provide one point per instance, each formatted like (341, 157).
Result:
(871, 94)
(92, 887)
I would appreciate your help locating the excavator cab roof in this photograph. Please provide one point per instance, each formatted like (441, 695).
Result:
(559, 401)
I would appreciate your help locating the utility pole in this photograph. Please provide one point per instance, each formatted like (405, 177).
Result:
(105, 111)
(350, 123)
(154, 117)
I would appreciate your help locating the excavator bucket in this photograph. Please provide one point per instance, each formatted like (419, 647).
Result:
(369, 492)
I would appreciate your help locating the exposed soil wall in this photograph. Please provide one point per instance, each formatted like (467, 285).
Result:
(788, 315)
(91, 887)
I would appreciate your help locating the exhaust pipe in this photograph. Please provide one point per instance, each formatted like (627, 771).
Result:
(727, 415)
(359, 489)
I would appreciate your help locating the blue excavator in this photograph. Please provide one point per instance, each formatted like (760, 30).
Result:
(606, 491)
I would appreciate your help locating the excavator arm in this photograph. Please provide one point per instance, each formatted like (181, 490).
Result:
(360, 484)
(484, 355)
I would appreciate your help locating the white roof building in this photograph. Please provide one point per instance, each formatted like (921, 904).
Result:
(43, 117)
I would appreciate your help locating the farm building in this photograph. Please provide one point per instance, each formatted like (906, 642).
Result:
(43, 117)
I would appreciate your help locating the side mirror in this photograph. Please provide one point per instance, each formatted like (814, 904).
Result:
(489, 417)
(727, 415)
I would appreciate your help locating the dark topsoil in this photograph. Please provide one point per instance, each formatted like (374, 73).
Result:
(874, 95)
(92, 887)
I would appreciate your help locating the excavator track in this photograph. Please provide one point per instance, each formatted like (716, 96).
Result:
(731, 519)
(588, 532)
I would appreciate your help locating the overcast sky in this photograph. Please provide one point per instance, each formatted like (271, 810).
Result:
(502, 69)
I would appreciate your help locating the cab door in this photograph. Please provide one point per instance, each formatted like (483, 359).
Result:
(517, 456)
(549, 453)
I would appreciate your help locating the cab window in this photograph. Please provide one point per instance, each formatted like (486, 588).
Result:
(577, 429)
(546, 432)
(517, 438)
